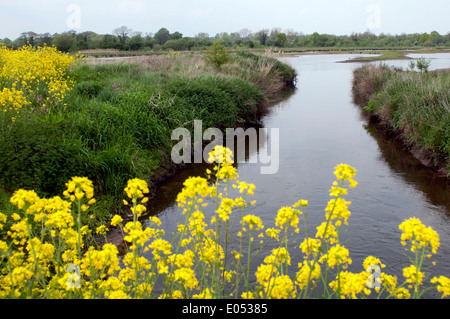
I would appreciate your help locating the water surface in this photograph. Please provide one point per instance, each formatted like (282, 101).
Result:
(320, 127)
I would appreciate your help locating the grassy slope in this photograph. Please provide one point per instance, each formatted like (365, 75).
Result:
(415, 105)
(120, 116)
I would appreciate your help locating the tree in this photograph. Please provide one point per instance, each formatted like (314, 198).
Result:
(135, 43)
(122, 32)
(291, 35)
(262, 36)
(435, 38)
(44, 39)
(63, 42)
(176, 35)
(244, 34)
(217, 54)
(281, 39)
(162, 36)
(29, 37)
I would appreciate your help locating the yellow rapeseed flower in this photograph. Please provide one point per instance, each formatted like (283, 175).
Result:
(419, 235)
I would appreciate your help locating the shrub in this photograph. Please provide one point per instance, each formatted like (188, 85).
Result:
(217, 54)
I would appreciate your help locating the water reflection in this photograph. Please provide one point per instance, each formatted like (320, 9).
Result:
(405, 165)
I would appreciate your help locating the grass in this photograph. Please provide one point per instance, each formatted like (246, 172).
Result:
(415, 105)
(119, 117)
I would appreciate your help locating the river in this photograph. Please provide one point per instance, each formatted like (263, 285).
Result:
(319, 127)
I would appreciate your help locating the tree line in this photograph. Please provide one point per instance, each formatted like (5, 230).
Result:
(124, 38)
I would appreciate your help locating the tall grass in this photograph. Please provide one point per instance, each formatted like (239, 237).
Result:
(416, 105)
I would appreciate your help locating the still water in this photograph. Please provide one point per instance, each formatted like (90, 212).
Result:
(320, 127)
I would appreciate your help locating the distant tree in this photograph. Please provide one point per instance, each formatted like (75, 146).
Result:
(6, 41)
(108, 41)
(281, 39)
(244, 34)
(314, 39)
(63, 42)
(135, 42)
(180, 44)
(435, 38)
(202, 39)
(262, 36)
(123, 33)
(176, 35)
(291, 35)
(424, 39)
(29, 37)
(162, 36)
(44, 39)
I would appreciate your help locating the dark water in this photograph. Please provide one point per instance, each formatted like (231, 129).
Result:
(320, 127)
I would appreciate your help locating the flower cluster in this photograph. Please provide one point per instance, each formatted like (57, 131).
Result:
(34, 77)
(44, 252)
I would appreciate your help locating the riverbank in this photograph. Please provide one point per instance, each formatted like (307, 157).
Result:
(116, 122)
(412, 105)
(264, 78)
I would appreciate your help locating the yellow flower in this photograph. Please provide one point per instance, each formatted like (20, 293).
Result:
(346, 172)
(252, 221)
(247, 295)
(350, 284)
(307, 274)
(281, 287)
(78, 188)
(182, 260)
(221, 154)
(310, 246)
(104, 262)
(273, 233)
(160, 246)
(186, 276)
(327, 232)
(136, 188)
(412, 275)
(102, 229)
(277, 256)
(287, 216)
(420, 236)
(337, 256)
(225, 208)
(29, 199)
(337, 208)
(205, 294)
(193, 187)
(370, 260)
(402, 293)
(444, 285)
(116, 220)
(138, 210)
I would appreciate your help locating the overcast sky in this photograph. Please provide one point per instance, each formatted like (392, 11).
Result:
(213, 16)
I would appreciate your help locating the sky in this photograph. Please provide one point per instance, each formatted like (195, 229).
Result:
(190, 17)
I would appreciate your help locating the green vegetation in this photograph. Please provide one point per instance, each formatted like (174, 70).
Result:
(125, 39)
(217, 54)
(383, 55)
(414, 104)
(119, 117)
